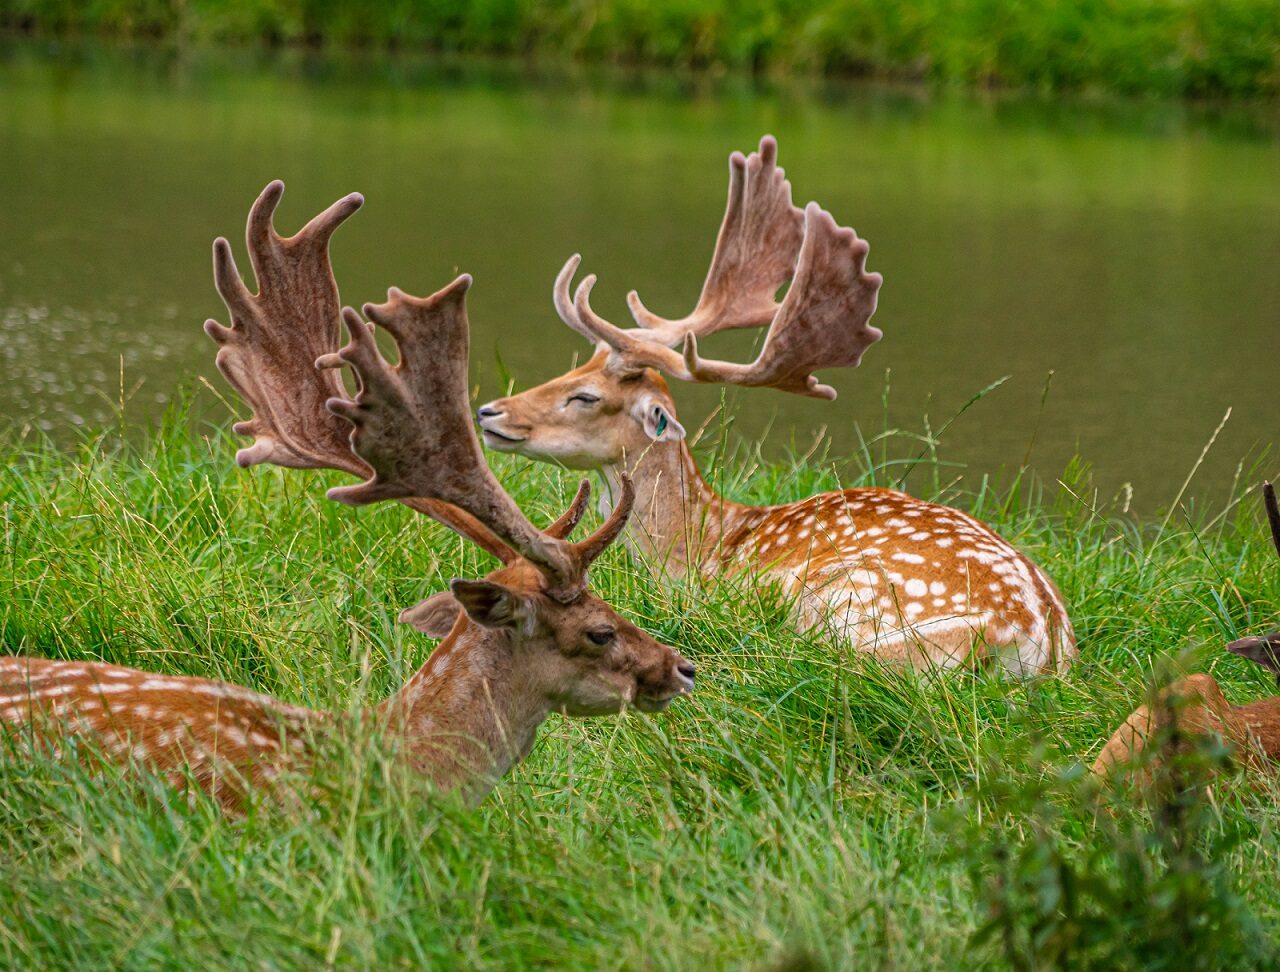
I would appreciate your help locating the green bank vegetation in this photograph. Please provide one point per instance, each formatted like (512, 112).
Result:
(807, 808)
(1172, 47)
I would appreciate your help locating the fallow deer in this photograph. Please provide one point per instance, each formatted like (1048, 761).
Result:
(909, 580)
(1194, 706)
(527, 640)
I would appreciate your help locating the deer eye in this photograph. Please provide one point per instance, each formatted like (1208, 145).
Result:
(601, 636)
(585, 397)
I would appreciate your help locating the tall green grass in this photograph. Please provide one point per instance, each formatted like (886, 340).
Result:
(1229, 47)
(807, 808)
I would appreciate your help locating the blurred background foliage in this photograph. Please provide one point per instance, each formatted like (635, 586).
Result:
(1169, 47)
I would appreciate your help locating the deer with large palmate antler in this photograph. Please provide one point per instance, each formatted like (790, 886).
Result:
(909, 580)
(527, 640)
(1194, 706)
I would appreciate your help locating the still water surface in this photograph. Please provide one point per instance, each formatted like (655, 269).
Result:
(1130, 249)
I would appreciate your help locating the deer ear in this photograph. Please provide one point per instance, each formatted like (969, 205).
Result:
(435, 616)
(492, 605)
(659, 424)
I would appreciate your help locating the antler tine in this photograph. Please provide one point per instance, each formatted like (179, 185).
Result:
(411, 423)
(276, 337)
(593, 546)
(755, 253)
(564, 301)
(822, 322)
(1273, 512)
(276, 334)
(631, 349)
(568, 521)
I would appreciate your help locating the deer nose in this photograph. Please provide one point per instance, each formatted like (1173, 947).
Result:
(488, 411)
(686, 669)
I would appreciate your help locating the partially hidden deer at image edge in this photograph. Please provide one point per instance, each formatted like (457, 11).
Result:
(526, 641)
(911, 581)
(1195, 706)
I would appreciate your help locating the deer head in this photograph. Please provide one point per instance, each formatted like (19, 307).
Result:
(407, 431)
(618, 403)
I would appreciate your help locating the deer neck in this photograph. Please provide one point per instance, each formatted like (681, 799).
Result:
(464, 717)
(678, 520)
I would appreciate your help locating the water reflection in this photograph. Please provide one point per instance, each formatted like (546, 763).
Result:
(1131, 248)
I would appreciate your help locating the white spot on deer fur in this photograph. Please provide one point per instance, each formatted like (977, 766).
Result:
(978, 555)
(848, 531)
(959, 598)
(944, 541)
(914, 609)
(916, 588)
(118, 672)
(937, 588)
(162, 684)
(865, 577)
(939, 602)
(896, 522)
(908, 558)
(921, 536)
(874, 531)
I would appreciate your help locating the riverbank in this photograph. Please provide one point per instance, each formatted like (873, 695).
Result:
(807, 808)
(1210, 48)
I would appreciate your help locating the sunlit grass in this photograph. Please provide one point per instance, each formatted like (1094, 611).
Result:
(808, 807)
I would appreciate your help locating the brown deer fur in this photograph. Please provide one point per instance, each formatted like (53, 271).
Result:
(467, 716)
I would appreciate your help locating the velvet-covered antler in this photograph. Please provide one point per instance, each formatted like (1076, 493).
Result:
(412, 426)
(764, 242)
(268, 355)
(823, 322)
(755, 253)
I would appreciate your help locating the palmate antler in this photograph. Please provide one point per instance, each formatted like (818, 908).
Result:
(764, 241)
(270, 356)
(412, 425)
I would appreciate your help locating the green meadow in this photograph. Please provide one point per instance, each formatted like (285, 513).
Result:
(807, 808)
(1171, 47)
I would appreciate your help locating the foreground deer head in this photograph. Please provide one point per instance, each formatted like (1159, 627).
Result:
(909, 580)
(1195, 706)
(527, 640)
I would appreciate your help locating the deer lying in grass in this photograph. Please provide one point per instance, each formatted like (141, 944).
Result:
(529, 638)
(909, 580)
(1195, 706)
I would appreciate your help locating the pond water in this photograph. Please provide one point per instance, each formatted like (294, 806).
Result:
(1131, 249)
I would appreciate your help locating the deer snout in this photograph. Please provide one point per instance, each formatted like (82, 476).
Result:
(684, 672)
(499, 431)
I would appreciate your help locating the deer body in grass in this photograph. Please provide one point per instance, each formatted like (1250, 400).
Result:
(527, 640)
(909, 580)
(1194, 706)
